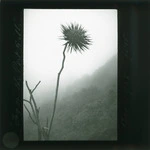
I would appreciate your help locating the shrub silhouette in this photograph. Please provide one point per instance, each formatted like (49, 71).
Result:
(34, 114)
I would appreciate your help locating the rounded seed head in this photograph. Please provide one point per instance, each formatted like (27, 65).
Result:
(76, 37)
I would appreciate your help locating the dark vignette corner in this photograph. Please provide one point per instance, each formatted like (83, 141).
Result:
(132, 82)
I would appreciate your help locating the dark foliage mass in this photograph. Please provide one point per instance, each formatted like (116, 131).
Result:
(88, 111)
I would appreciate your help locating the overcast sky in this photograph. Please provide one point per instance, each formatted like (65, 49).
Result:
(43, 48)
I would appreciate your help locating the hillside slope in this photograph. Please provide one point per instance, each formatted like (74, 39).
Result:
(88, 110)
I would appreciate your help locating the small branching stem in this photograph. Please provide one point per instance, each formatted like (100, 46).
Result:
(30, 115)
(35, 109)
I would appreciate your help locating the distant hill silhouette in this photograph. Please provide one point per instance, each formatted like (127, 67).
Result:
(101, 78)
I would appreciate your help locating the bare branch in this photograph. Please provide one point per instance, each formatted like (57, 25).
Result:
(34, 102)
(30, 114)
(31, 106)
(26, 101)
(28, 86)
(36, 86)
(31, 96)
(35, 109)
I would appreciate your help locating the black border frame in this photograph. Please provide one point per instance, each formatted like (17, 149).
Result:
(132, 73)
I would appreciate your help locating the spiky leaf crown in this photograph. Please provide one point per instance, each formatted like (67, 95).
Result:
(76, 37)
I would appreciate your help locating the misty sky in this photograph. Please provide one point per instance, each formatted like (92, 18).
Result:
(43, 48)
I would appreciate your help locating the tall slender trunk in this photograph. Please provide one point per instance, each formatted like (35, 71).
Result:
(57, 87)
